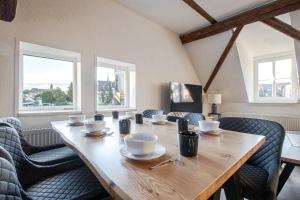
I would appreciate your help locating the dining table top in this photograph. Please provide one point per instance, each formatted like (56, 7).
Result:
(199, 177)
(291, 148)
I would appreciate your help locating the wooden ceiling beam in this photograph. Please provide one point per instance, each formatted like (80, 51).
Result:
(8, 10)
(257, 14)
(200, 10)
(282, 27)
(223, 57)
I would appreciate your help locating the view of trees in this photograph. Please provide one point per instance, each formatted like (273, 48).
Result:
(48, 97)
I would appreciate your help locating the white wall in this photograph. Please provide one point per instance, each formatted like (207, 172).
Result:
(229, 81)
(95, 28)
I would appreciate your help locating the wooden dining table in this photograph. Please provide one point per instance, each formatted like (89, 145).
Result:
(290, 157)
(199, 177)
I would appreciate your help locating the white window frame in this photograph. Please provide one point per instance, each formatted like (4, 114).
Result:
(130, 84)
(272, 58)
(29, 49)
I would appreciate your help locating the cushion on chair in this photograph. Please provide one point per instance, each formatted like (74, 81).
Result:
(53, 156)
(69, 185)
(194, 118)
(253, 180)
(149, 112)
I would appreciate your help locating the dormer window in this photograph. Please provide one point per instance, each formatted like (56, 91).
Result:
(276, 79)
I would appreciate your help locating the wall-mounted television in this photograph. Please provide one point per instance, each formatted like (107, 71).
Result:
(185, 97)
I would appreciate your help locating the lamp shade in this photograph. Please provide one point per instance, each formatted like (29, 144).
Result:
(214, 98)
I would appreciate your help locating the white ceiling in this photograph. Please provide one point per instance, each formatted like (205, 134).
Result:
(180, 18)
(260, 39)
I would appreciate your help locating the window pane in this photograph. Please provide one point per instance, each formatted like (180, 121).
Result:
(283, 87)
(265, 71)
(283, 68)
(110, 87)
(47, 82)
(265, 88)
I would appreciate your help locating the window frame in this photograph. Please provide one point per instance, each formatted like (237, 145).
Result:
(273, 58)
(30, 49)
(130, 96)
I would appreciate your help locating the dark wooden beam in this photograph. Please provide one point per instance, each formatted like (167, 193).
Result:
(223, 57)
(283, 27)
(8, 10)
(200, 10)
(257, 14)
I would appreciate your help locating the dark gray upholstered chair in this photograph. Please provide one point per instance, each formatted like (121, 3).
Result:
(30, 181)
(39, 154)
(149, 112)
(259, 176)
(194, 118)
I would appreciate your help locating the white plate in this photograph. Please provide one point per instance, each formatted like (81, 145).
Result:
(158, 152)
(209, 131)
(160, 122)
(101, 132)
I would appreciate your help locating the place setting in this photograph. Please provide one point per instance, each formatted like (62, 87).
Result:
(209, 127)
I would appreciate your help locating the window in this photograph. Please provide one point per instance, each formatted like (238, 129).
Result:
(115, 84)
(276, 78)
(47, 78)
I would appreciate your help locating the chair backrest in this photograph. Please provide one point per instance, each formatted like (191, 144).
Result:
(149, 112)
(269, 154)
(9, 140)
(10, 187)
(16, 124)
(194, 118)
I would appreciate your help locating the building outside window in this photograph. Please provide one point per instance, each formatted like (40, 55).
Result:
(115, 84)
(275, 78)
(48, 79)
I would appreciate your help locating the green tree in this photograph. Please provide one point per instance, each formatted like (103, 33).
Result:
(60, 98)
(70, 93)
(46, 96)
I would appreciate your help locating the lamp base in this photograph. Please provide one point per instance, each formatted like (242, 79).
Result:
(214, 108)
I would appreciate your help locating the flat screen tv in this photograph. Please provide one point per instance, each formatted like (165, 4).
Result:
(185, 97)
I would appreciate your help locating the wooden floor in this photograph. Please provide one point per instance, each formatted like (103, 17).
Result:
(291, 190)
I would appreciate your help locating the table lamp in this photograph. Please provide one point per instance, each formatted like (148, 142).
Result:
(214, 99)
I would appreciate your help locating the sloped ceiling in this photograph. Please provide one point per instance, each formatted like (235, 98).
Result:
(257, 39)
(179, 17)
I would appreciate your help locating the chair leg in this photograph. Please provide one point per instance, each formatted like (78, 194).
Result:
(285, 174)
(232, 188)
(216, 196)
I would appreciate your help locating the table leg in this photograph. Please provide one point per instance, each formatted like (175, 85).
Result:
(285, 174)
(232, 188)
(216, 196)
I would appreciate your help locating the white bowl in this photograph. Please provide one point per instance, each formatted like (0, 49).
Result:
(94, 126)
(140, 143)
(209, 125)
(76, 118)
(159, 118)
(130, 114)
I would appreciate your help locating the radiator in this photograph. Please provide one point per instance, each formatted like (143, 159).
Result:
(289, 123)
(42, 136)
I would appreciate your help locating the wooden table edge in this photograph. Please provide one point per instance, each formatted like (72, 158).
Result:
(110, 187)
(232, 169)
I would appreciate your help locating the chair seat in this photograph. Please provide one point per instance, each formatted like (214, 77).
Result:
(53, 156)
(253, 180)
(78, 183)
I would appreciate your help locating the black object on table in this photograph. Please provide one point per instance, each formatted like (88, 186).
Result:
(182, 125)
(124, 126)
(115, 114)
(138, 118)
(188, 143)
(99, 117)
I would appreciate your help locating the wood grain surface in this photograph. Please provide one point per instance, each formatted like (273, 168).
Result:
(219, 157)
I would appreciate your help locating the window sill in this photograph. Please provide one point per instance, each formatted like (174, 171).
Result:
(48, 113)
(106, 110)
(276, 101)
